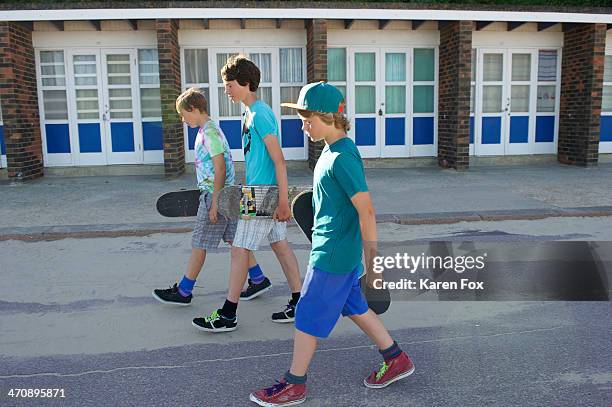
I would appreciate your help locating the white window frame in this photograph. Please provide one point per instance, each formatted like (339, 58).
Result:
(292, 153)
(151, 156)
(474, 94)
(2, 156)
(548, 148)
(55, 159)
(606, 146)
(425, 150)
(136, 156)
(96, 158)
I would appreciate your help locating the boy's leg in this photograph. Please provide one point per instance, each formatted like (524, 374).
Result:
(284, 253)
(372, 326)
(252, 260)
(396, 364)
(323, 299)
(291, 389)
(238, 272)
(180, 294)
(289, 264)
(224, 319)
(206, 235)
(258, 283)
(255, 272)
(196, 261)
(304, 346)
(247, 238)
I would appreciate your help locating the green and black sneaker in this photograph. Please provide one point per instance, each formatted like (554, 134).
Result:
(215, 322)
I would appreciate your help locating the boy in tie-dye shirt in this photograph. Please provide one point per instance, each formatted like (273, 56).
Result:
(215, 170)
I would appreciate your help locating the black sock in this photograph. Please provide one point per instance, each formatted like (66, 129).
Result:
(295, 297)
(293, 379)
(391, 352)
(229, 309)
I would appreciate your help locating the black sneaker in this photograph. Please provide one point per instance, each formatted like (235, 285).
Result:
(255, 290)
(171, 296)
(287, 315)
(215, 322)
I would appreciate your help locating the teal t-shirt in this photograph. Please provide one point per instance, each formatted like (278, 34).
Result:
(336, 236)
(259, 123)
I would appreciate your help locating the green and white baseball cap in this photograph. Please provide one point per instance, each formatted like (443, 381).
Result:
(319, 97)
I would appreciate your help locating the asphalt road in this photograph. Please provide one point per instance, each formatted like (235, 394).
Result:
(77, 314)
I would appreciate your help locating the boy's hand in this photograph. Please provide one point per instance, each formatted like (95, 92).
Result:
(282, 212)
(212, 214)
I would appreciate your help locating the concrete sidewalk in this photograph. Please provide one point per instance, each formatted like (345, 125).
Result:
(56, 207)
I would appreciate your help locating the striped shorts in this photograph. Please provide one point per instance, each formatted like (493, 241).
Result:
(251, 232)
(207, 235)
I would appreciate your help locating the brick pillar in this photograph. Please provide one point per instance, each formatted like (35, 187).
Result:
(19, 98)
(581, 92)
(316, 56)
(170, 88)
(455, 62)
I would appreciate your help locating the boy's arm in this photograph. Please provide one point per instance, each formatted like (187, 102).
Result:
(367, 223)
(283, 212)
(219, 165)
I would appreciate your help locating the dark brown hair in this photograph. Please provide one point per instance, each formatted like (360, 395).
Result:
(241, 69)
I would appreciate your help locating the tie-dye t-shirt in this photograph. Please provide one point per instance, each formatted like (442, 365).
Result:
(210, 142)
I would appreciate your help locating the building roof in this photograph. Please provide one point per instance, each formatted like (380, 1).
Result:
(358, 10)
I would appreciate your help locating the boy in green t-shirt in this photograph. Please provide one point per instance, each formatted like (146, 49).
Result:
(344, 226)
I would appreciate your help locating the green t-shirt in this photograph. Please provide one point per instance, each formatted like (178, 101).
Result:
(336, 236)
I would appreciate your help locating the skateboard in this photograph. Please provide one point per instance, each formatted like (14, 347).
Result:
(302, 211)
(179, 203)
(234, 202)
(252, 201)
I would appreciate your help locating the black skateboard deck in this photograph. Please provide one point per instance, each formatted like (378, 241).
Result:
(303, 213)
(179, 203)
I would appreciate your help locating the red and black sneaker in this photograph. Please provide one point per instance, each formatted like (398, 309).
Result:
(395, 369)
(280, 394)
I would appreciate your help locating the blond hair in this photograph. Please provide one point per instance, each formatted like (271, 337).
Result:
(339, 120)
(192, 98)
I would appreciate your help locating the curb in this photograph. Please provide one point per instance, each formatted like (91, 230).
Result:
(50, 233)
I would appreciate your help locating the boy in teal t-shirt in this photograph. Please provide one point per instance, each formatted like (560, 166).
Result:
(265, 165)
(344, 225)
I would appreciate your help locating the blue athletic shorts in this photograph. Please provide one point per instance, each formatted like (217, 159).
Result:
(325, 296)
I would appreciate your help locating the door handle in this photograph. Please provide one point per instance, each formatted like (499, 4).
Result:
(380, 112)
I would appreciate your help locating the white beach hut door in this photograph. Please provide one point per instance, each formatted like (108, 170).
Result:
(121, 113)
(87, 107)
(365, 104)
(492, 106)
